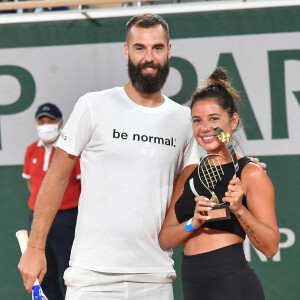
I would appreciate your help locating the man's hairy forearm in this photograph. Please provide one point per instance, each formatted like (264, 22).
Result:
(47, 205)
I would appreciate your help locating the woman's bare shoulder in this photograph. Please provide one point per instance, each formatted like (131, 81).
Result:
(187, 171)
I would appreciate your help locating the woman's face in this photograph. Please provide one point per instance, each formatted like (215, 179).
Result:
(207, 115)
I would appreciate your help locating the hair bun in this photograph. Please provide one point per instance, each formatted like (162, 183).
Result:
(219, 74)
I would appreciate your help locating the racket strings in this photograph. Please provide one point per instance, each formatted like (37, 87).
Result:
(211, 172)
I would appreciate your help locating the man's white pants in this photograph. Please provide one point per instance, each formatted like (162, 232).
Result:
(89, 285)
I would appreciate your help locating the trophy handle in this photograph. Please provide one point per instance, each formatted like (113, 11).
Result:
(220, 212)
(226, 139)
(191, 182)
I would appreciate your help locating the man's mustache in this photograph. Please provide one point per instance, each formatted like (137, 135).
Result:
(149, 65)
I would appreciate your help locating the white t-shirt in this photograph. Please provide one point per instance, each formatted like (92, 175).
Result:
(129, 157)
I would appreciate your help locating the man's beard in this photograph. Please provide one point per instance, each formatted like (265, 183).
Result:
(148, 84)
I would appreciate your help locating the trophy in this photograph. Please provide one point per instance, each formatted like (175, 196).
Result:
(210, 172)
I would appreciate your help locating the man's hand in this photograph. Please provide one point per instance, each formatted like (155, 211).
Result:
(261, 164)
(32, 266)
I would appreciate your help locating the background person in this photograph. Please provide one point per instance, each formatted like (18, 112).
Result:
(213, 263)
(61, 235)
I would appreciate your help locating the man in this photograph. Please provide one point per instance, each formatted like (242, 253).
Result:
(132, 141)
(61, 235)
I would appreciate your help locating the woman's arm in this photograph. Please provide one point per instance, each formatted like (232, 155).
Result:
(173, 233)
(259, 220)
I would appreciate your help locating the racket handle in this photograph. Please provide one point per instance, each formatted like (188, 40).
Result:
(37, 292)
(22, 236)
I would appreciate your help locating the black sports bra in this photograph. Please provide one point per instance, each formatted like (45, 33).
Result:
(185, 205)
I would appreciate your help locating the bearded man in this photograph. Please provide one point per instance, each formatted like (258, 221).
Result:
(127, 182)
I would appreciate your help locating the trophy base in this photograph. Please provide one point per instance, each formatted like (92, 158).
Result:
(219, 212)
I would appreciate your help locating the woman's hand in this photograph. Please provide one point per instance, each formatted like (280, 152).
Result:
(203, 205)
(234, 194)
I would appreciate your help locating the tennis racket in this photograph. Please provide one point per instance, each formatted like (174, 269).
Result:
(37, 292)
(210, 172)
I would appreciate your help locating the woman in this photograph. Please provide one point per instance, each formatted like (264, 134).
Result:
(213, 264)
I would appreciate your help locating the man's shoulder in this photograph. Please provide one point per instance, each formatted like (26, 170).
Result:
(96, 99)
(102, 93)
(177, 106)
(182, 112)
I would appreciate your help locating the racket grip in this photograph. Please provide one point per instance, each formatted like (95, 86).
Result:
(37, 292)
(22, 236)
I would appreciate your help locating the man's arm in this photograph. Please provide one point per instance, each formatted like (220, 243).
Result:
(33, 262)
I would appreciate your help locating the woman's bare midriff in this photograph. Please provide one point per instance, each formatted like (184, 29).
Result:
(206, 239)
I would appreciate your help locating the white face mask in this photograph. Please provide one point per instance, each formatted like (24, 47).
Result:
(48, 133)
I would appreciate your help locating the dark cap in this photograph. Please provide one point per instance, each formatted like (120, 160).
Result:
(48, 109)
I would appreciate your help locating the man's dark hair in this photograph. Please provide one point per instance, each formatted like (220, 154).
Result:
(147, 20)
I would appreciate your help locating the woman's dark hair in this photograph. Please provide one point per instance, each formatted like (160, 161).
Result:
(219, 87)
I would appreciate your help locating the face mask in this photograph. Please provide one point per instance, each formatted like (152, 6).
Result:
(48, 133)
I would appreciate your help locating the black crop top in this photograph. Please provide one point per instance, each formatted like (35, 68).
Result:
(185, 205)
